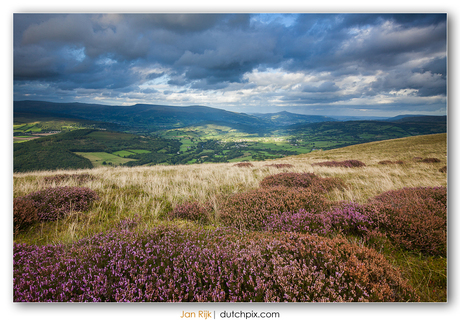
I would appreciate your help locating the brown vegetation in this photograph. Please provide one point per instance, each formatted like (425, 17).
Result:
(244, 164)
(386, 162)
(281, 165)
(24, 214)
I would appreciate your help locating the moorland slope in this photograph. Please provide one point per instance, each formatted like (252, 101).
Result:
(175, 209)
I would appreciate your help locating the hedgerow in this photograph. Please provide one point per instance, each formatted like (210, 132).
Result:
(177, 265)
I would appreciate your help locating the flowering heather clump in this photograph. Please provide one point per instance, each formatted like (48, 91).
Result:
(180, 265)
(343, 164)
(80, 178)
(415, 218)
(250, 209)
(430, 160)
(193, 211)
(24, 214)
(55, 203)
(244, 165)
(349, 219)
(304, 180)
(281, 165)
(129, 223)
(385, 162)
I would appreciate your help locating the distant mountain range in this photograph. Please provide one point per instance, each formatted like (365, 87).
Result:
(160, 117)
(140, 116)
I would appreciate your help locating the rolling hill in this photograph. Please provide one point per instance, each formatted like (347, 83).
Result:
(145, 217)
(148, 118)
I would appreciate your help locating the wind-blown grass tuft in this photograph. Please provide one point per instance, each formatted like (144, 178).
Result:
(342, 164)
(302, 180)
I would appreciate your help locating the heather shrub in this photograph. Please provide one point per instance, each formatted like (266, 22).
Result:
(244, 165)
(430, 160)
(193, 211)
(415, 218)
(80, 178)
(348, 219)
(129, 223)
(304, 180)
(250, 209)
(178, 265)
(405, 196)
(55, 203)
(24, 214)
(281, 165)
(343, 164)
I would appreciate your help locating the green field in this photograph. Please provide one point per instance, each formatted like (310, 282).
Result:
(27, 128)
(126, 153)
(205, 132)
(98, 158)
(20, 139)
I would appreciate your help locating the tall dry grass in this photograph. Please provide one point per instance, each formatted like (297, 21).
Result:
(152, 191)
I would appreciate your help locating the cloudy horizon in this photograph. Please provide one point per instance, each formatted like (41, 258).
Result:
(320, 64)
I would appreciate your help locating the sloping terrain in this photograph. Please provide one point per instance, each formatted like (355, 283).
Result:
(184, 212)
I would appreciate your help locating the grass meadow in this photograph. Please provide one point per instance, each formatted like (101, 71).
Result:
(141, 206)
(98, 158)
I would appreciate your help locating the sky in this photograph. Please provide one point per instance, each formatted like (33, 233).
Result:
(309, 63)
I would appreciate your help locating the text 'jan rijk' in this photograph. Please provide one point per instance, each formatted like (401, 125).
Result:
(200, 314)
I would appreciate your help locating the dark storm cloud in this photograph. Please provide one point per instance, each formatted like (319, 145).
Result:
(436, 66)
(327, 86)
(219, 51)
(426, 83)
(187, 23)
(332, 41)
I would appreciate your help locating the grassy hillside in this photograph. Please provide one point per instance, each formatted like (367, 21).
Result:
(331, 135)
(87, 148)
(147, 118)
(150, 195)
